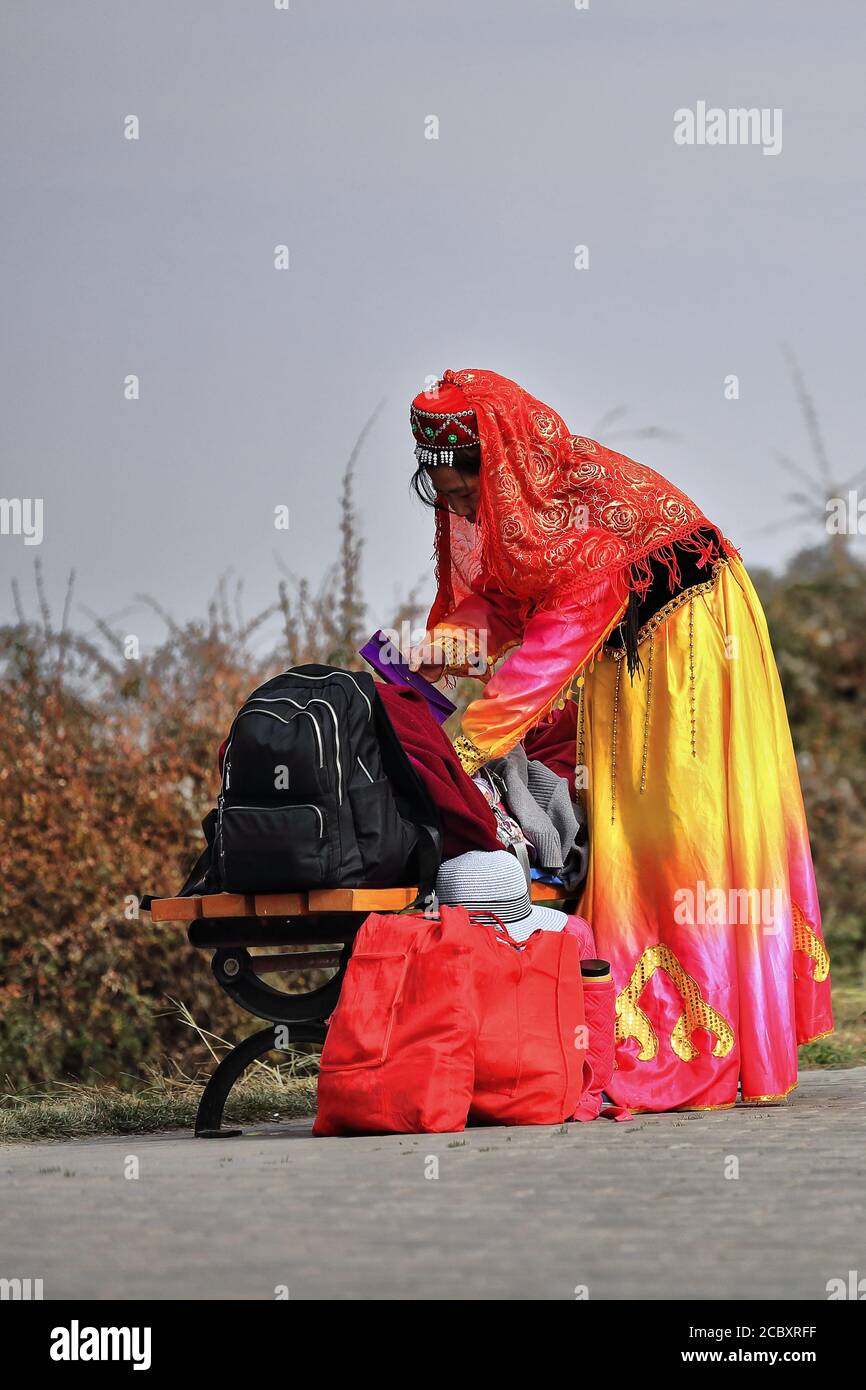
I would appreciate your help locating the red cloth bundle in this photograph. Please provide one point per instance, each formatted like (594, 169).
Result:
(555, 744)
(466, 818)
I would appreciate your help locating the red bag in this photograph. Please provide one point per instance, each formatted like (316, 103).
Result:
(531, 1042)
(399, 1057)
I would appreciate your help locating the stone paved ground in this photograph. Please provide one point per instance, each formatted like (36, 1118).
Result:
(630, 1210)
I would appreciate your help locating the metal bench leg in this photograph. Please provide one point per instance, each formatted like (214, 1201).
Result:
(208, 1121)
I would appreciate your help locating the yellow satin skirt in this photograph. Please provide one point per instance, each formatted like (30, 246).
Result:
(701, 890)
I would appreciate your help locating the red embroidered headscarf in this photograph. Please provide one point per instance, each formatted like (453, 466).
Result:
(556, 511)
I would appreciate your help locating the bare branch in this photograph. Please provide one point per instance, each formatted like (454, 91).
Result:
(18, 605)
(104, 629)
(42, 597)
(63, 640)
(157, 608)
(802, 473)
(813, 428)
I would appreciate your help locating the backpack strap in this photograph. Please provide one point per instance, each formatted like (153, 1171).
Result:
(199, 879)
(429, 852)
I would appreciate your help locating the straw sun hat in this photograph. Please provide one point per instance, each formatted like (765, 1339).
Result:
(491, 884)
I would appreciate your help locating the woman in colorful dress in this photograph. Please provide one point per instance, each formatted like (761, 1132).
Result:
(617, 593)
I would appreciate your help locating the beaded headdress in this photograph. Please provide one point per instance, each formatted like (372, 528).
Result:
(444, 424)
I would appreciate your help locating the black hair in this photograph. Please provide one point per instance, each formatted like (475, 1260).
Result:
(422, 486)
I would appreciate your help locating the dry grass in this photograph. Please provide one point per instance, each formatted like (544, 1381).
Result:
(846, 1046)
(75, 1111)
(160, 1099)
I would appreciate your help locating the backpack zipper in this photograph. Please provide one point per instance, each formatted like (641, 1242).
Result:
(332, 675)
(298, 806)
(284, 699)
(314, 700)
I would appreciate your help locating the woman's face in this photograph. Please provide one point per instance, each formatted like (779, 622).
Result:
(459, 491)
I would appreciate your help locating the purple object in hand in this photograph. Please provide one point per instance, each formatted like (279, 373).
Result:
(385, 657)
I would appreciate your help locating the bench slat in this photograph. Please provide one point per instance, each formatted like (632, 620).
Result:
(360, 899)
(228, 905)
(215, 905)
(175, 909)
(281, 904)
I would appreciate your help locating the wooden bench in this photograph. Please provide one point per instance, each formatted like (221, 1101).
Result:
(306, 931)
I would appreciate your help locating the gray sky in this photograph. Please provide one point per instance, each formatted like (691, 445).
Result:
(408, 255)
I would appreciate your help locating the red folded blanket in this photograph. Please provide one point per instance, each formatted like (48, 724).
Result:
(466, 818)
(555, 744)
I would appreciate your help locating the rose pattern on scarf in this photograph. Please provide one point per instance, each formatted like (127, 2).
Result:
(556, 511)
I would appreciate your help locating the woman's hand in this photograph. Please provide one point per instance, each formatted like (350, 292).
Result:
(428, 659)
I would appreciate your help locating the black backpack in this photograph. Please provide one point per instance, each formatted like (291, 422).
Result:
(317, 791)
